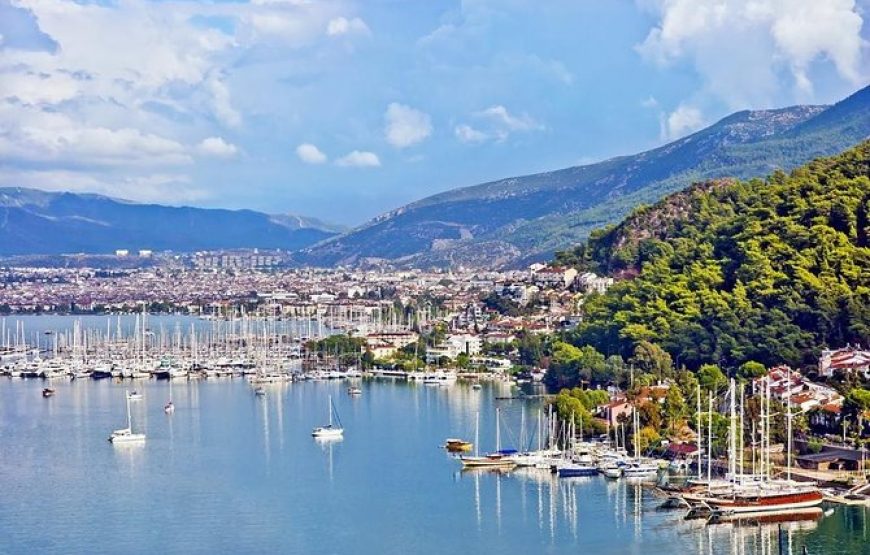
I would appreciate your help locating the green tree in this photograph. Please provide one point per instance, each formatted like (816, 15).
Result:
(711, 378)
(652, 359)
(751, 370)
(675, 409)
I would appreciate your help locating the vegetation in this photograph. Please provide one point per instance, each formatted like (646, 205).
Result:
(733, 273)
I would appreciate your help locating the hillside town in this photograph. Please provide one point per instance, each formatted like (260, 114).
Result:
(499, 323)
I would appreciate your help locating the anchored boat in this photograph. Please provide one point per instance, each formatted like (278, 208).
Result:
(330, 430)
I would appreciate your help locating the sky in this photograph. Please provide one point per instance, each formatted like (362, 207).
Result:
(346, 109)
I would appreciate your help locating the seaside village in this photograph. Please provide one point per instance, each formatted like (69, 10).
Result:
(804, 428)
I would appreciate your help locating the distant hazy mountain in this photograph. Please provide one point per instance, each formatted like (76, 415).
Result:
(40, 222)
(526, 218)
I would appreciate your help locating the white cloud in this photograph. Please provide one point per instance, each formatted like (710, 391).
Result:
(405, 126)
(740, 47)
(682, 121)
(359, 159)
(161, 187)
(468, 134)
(508, 122)
(221, 104)
(47, 137)
(650, 102)
(344, 26)
(310, 154)
(217, 147)
(132, 94)
(496, 123)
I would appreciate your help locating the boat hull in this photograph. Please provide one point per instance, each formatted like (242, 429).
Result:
(765, 504)
(486, 462)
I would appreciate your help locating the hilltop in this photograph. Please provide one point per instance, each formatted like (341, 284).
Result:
(529, 218)
(40, 222)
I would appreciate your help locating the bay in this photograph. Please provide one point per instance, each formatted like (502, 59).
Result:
(231, 472)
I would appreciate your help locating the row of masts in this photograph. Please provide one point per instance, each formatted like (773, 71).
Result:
(760, 434)
(246, 336)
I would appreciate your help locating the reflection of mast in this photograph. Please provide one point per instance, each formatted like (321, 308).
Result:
(329, 447)
(636, 513)
(552, 510)
(498, 499)
(477, 499)
(265, 428)
(279, 408)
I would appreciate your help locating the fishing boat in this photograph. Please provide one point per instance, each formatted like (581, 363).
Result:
(331, 430)
(48, 392)
(126, 435)
(501, 458)
(458, 445)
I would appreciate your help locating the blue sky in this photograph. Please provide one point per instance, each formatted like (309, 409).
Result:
(346, 109)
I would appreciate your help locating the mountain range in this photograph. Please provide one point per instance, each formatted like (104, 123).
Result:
(508, 222)
(521, 219)
(40, 222)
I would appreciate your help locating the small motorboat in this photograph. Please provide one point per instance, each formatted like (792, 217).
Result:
(260, 392)
(476, 386)
(48, 392)
(134, 396)
(354, 391)
(458, 445)
(169, 408)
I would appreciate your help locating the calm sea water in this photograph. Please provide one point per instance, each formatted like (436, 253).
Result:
(230, 472)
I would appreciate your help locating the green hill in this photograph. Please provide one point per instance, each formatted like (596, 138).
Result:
(731, 271)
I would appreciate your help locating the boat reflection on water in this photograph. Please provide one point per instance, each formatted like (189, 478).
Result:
(794, 519)
(328, 444)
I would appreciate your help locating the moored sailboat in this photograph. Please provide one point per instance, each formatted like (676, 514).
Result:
(331, 430)
(497, 459)
(126, 435)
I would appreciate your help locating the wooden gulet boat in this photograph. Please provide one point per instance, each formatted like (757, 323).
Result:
(498, 459)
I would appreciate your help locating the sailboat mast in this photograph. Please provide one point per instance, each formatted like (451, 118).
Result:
(732, 432)
(709, 437)
(788, 431)
(497, 433)
(698, 428)
(477, 433)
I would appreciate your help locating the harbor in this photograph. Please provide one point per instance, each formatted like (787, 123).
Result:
(230, 471)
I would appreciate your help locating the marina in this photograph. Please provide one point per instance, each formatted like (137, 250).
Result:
(246, 475)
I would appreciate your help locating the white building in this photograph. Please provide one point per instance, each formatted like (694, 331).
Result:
(454, 345)
(589, 282)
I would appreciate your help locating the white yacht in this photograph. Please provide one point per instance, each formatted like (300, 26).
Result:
(331, 430)
(126, 435)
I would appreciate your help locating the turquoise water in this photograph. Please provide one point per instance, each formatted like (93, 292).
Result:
(230, 472)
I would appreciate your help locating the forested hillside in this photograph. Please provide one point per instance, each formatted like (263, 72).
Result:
(733, 271)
